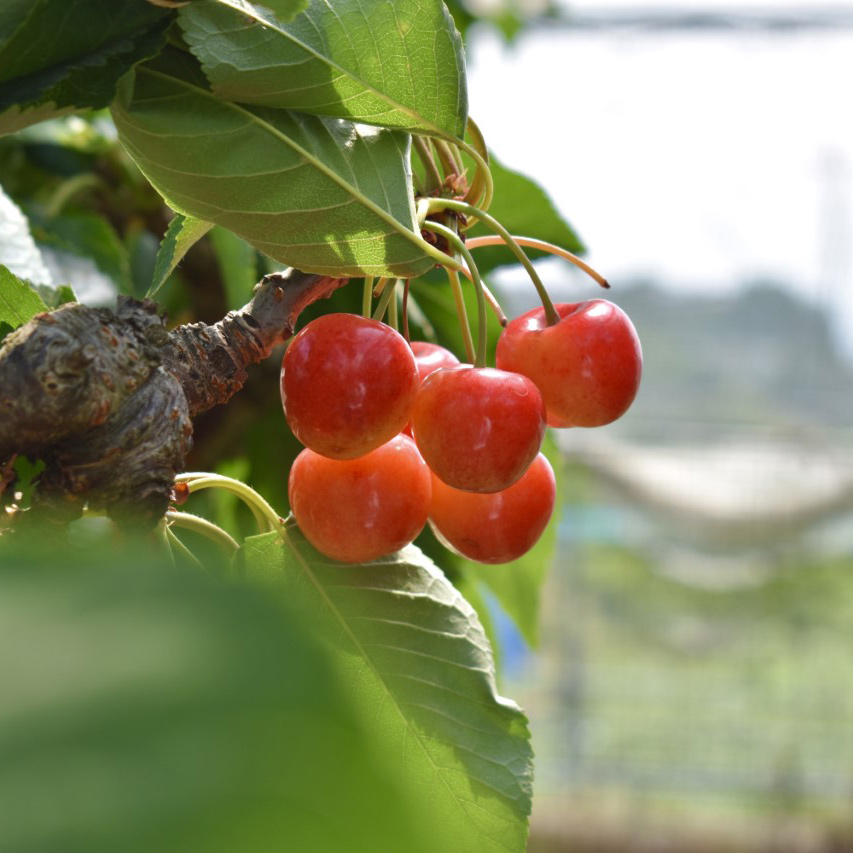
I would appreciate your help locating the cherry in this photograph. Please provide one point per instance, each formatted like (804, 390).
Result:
(356, 510)
(587, 366)
(478, 428)
(499, 527)
(347, 385)
(430, 357)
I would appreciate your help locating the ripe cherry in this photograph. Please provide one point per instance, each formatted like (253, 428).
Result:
(587, 366)
(356, 510)
(347, 385)
(429, 357)
(478, 428)
(495, 528)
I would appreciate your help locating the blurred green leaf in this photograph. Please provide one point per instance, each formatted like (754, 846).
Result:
(524, 209)
(317, 194)
(61, 56)
(181, 235)
(418, 667)
(238, 264)
(144, 708)
(90, 236)
(18, 301)
(395, 64)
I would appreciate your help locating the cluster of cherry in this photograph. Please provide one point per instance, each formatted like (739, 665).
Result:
(398, 434)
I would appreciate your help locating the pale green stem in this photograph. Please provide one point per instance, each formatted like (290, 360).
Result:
(387, 295)
(449, 163)
(174, 542)
(432, 176)
(449, 204)
(202, 526)
(479, 153)
(367, 297)
(542, 245)
(67, 190)
(462, 313)
(393, 315)
(456, 241)
(265, 516)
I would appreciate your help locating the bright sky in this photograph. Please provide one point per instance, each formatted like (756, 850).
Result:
(699, 158)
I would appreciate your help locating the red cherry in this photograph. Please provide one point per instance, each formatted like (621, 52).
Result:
(356, 510)
(478, 428)
(587, 366)
(347, 385)
(429, 357)
(495, 528)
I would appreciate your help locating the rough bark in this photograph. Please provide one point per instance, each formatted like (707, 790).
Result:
(105, 397)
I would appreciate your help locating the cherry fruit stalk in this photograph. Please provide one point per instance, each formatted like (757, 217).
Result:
(347, 385)
(356, 510)
(587, 365)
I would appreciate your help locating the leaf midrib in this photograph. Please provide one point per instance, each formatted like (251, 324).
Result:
(416, 239)
(306, 568)
(420, 120)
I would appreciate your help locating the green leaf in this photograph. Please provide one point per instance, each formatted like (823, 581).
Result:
(61, 56)
(418, 665)
(321, 195)
(518, 586)
(19, 303)
(88, 235)
(146, 708)
(238, 264)
(18, 250)
(395, 64)
(181, 235)
(525, 209)
(53, 297)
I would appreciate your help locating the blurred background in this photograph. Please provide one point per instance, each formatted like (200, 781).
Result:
(694, 688)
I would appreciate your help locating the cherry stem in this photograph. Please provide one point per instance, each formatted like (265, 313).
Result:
(450, 204)
(491, 299)
(265, 516)
(367, 297)
(456, 241)
(432, 178)
(406, 311)
(201, 525)
(449, 163)
(479, 153)
(533, 243)
(393, 316)
(172, 541)
(462, 313)
(387, 293)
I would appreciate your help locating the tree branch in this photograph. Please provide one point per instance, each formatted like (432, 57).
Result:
(105, 397)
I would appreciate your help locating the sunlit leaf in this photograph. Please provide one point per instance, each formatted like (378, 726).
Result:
(321, 195)
(181, 235)
(417, 664)
(395, 64)
(19, 303)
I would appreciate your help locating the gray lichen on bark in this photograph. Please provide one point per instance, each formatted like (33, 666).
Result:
(105, 398)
